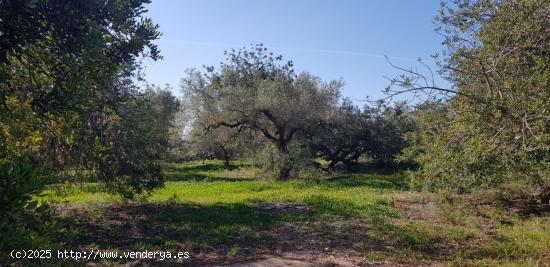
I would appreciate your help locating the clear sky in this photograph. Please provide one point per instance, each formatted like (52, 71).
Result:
(332, 39)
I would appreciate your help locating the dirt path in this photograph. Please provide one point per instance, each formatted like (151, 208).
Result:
(302, 259)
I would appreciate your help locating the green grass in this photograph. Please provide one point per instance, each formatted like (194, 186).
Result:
(203, 207)
(210, 171)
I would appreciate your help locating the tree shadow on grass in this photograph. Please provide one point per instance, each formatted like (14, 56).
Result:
(426, 243)
(199, 229)
(214, 166)
(381, 167)
(395, 182)
(154, 224)
(207, 172)
(211, 166)
(212, 232)
(198, 177)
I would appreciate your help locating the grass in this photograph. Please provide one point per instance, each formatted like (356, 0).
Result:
(211, 211)
(209, 171)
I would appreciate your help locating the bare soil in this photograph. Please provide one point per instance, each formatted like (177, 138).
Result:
(282, 207)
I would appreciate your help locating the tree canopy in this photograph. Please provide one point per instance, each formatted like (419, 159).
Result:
(496, 124)
(67, 72)
(257, 91)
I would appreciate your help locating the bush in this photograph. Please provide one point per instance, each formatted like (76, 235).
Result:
(19, 181)
(294, 163)
(23, 223)
(495, 128)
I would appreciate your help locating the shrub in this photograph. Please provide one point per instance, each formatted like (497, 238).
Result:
(294, 163)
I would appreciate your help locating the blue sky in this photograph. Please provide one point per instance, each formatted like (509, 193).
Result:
(332, 39)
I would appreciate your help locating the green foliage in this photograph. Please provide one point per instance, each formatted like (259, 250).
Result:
(256, 101)
(376, 131)
(342, 138)
(19, 180)
(74, 27)
(390, 125)
(67, 88)
(495, 128)
(297, 162)
(134, 147)
(259, 92)
(25, 223)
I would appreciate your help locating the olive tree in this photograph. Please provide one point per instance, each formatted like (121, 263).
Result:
(376, 131)
(68, 102)
(221, 143)
(342, 139)
(258, 91)
(497, 125)
(66, 85)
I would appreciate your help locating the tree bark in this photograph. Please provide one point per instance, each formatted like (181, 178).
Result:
(226, 163)
(284, 172)
(545, 195)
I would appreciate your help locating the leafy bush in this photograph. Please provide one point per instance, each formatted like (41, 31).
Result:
(23, 223)
(495, 127)
(19, 181)
(294, 164)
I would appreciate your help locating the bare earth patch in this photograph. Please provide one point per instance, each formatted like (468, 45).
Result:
(307, 243)
(417, 208)
(282, 207)
(300, 259)
(338, 243)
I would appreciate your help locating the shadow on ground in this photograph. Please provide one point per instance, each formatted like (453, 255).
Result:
(209, 172)
(221, 234)
(202, 230)
(198, 177)
(213, 234)
(395, 182)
